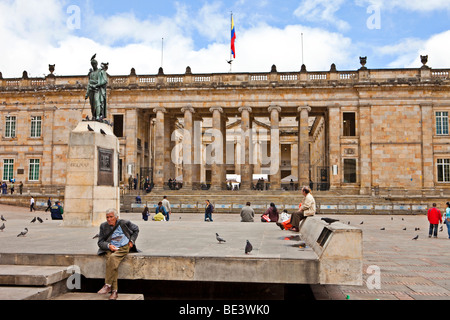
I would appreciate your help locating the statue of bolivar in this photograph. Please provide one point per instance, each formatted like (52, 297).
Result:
(96, 90)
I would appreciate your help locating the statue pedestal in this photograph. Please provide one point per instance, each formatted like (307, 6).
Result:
(92, 184)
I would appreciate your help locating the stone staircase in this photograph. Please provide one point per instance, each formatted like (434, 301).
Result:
(30, 282)
(193, 201)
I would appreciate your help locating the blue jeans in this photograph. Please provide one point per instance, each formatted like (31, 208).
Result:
(433, 230)
(208, 216)
(448, 227)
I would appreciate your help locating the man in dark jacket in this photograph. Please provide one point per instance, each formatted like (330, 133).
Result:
(57, 211)
(116, 239)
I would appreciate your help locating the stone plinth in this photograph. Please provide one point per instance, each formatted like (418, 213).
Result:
(92, 178)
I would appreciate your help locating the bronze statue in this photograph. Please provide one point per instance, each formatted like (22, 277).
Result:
(96, 90)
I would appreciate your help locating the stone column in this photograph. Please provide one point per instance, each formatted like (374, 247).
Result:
(158, 175)
(218, 166)
(246, 148)
(334, 146)
(275, 151)
(365, 139)
(303, 146)
(188, 146)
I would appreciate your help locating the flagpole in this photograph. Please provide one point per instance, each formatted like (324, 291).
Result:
(231, 54)
(162, 52)
(302, 50)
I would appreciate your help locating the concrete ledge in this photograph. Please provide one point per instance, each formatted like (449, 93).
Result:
(339, 249)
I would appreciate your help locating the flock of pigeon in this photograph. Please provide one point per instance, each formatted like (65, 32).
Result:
(330, 221)
(248, 246)
(25, 230)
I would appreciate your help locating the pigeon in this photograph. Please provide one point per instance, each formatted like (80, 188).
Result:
(40, 220)
(329, 220)
(23, 233)
(93, 57)
(90, 129)
(229, 61)
(102, 132)
(96, 236)
(34, 220)
(87, 118)
(362, 222)
(248, 247)
(416, 237)
(416, 229)
(383, 229)
(219, 238)
(404, 229)
(3, 219)
(441, 229)
(2, 227)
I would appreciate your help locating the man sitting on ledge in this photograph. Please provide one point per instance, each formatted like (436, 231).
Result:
(116, 239)
(307, 209)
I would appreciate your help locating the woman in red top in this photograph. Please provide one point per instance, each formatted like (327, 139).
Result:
(434, 217)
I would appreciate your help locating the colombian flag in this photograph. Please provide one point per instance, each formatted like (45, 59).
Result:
(233, 38)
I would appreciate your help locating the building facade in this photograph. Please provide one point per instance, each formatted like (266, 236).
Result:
(354, 131)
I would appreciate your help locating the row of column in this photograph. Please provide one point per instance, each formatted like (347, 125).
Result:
(192, 136)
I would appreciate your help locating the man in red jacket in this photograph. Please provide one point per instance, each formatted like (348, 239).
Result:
(434, 217)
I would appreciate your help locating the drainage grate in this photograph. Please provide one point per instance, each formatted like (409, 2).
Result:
(324, 235)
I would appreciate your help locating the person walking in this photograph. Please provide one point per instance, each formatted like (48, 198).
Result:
(434, 218)
(117, 238)
(32, 204)
(446, 218)
(209, 209)
(49, 204)
(166, 205)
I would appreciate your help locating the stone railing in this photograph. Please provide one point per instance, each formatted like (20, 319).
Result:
(273, 78)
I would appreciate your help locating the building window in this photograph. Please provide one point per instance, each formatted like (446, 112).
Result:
(118, 125)
(349, 124)
(10, 127)
(443, 170)
(442, 123)
(36, 127)
(8, 169)
(33, 172)
(349, 170)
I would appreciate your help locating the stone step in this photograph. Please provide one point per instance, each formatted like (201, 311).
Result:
(80, 296)
(21, 275)
(25, 293)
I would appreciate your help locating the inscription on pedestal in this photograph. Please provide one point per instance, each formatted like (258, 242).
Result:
(105, 167)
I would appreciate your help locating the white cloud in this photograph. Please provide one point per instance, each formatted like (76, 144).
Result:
(36, 40)
(408, 51)
(322, 11)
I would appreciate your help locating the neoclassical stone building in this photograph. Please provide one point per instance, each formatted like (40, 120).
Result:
(354, 131)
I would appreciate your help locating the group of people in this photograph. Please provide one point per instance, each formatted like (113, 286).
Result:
(306, 209)
(162, 211)
(435, 217)
(4, 187)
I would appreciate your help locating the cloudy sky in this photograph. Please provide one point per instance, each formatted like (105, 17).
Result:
(391, 33)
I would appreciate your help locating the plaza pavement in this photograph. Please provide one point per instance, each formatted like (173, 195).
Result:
(395, 267)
